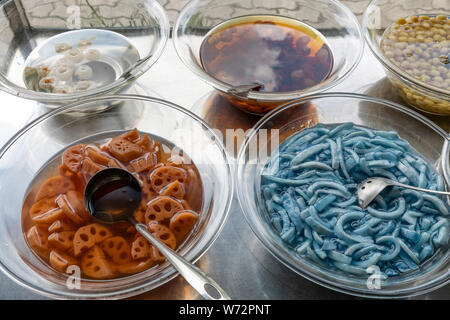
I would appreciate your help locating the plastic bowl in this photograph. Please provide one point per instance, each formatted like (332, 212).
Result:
(427, 138)
(331, 18)
(26, 26)
(48, 135)
(381, 14)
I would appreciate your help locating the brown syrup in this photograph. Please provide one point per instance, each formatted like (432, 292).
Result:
(281, 53)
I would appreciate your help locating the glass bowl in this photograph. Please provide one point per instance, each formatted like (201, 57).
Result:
(26, 27)
(379, 15)
(331, 18)
(45, 137)
(423, 135)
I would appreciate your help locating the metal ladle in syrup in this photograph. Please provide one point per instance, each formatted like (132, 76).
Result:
(113, 195)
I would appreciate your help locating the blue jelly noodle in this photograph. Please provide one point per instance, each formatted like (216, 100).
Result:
(309, 192)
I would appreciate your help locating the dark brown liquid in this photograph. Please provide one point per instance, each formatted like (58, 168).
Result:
(281, 53)
(115, 198)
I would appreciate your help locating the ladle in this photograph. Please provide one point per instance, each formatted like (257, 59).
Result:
(370, 188)
(113, 195)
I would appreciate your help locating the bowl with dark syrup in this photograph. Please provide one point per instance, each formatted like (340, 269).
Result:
(261, 56)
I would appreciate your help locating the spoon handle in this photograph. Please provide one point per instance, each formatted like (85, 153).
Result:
(243, 90)
(395, 183)
(202, 283)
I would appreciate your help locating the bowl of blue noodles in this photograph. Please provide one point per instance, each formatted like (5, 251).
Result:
(297, 176)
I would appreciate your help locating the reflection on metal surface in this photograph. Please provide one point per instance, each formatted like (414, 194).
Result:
(97, 119)
(384, 89)
(177, 289)
(233, 123)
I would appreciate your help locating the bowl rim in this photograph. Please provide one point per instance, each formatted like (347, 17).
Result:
(376, 50)
(142, 66)
(171, 273)
(265, 96)
(269, 244)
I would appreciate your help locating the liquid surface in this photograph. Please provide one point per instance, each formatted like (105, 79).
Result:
(58, 228)
(115, 199)
(281, 53)
(78, 60)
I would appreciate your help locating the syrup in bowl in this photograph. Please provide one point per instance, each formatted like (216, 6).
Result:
(281, 53)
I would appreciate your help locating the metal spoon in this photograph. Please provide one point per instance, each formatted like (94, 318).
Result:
(239, 91)
(370, 188)
(113, 195)
(243, 90)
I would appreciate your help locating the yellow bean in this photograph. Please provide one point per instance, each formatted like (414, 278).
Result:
(401, 21)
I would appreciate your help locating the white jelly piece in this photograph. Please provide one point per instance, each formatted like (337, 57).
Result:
(63, 73)
(47, 83)
(92, 54)
(75, 55)
(61, 47)
(43, 71)
(83, 85)
(62, 89)
(64, 61)
(84, 72)
(85, 42)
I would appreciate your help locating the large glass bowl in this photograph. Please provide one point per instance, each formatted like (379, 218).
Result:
(330, 17)
(23, 156)
(379, 15)
(25, 25)
(423, 135)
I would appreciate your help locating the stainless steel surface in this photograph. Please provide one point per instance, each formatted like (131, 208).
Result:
(237, 259)
(370, 188)
(204, 285)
